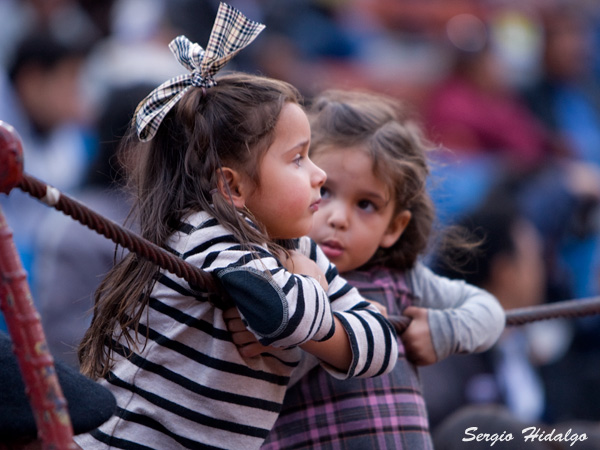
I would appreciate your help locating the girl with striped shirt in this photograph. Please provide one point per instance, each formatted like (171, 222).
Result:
(222, 179)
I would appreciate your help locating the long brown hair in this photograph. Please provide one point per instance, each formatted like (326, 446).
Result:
(175, 174)
(399, 152)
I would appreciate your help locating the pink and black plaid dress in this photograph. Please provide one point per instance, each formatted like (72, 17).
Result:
(386, 412)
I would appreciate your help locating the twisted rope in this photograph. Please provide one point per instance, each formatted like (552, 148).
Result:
(568, 308)
(519, 316)
(197, 278)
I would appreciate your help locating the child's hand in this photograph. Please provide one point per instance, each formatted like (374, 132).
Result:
(303, 265)
(246, 342)
(417, 337)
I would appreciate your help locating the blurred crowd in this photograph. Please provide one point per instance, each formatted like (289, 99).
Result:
(508, 91)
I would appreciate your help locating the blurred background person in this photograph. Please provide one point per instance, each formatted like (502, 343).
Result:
(43, 101)
(89, 404)
(509, 264)
(566, 97)
(57, 79)
(566, 94)
(475, 110)
(71, 259)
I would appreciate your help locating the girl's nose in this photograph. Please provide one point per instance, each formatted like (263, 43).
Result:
(337, 216)
(318, 176)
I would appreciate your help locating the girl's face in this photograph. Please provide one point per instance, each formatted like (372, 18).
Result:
(289, 192)
(356, 216)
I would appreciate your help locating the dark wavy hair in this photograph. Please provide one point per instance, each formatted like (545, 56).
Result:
(173, 175)
(398, 149)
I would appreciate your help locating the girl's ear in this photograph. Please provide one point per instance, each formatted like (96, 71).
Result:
(395, 229)
(231, 185)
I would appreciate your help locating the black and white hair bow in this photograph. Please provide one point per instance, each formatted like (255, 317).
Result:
(231, 32)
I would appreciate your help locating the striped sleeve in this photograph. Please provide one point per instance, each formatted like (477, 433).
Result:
(280, 308)
(372, 337)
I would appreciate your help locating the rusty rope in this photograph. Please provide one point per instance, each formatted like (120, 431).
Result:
(568, 308)
(519, 316)
(198, 279)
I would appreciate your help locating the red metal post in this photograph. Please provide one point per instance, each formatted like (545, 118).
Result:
(24, 325)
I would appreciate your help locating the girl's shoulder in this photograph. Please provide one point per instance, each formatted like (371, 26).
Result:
(421, 278)
(195, 228)
(198, 219)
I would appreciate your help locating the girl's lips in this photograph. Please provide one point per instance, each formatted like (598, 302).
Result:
(332, 249)
(314, 207)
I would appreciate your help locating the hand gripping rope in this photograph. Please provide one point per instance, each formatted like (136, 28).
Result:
(23, 321)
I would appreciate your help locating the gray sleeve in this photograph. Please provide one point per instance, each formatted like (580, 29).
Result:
(462, 318)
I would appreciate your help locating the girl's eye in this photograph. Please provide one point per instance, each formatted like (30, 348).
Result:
(298, 159)
(366, 205)
(325, 193)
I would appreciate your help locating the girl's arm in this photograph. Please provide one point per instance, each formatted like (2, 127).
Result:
(280, 308)
(363, 343)
(462, 318)
(371, 338)
(335, 350)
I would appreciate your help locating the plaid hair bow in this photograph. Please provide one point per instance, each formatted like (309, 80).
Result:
(231, 32)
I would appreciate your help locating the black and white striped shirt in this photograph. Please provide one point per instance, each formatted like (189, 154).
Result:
(187, 386)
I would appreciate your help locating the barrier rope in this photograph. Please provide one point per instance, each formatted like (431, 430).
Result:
(205, 282)
(567, 308)
(198, 279)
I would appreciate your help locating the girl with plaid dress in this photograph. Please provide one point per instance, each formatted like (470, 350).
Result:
(222, 179)
(374, 223)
